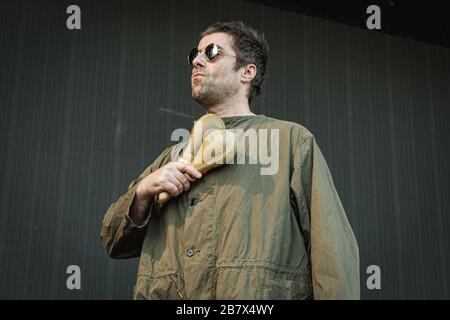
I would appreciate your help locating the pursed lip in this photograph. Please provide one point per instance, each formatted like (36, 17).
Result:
(195, 75)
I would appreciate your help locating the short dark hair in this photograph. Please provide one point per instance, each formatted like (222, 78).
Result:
(250, 47)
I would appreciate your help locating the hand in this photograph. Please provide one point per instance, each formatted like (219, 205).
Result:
(173, 178)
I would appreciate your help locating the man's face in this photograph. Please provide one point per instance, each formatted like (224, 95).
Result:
(215, 82)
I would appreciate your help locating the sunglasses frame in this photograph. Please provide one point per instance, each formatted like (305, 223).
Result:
(212, 50)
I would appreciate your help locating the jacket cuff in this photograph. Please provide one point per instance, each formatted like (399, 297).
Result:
(130, 224)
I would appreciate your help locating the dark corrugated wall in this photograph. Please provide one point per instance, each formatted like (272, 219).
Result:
(84, 112)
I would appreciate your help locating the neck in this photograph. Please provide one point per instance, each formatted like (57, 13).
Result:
(231, 108)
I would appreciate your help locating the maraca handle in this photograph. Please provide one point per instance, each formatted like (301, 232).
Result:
(163, 197)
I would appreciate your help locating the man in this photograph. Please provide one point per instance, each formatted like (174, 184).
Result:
(235, 233)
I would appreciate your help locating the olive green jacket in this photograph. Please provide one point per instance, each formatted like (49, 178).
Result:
(238, 234)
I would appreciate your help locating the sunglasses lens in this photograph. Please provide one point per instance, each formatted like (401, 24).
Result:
(211, 51)
(192, 55)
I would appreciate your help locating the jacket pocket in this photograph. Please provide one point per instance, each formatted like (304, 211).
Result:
(262, 281)
(166, 285)
(286, 289)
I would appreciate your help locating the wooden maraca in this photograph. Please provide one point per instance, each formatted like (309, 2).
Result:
(210, 146)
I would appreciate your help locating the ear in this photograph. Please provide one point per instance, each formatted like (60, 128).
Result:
(248, 73)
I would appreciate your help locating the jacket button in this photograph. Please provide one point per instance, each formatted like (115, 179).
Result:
(193, 202)
(190, 252)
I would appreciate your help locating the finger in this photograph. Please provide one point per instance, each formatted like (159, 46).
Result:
(171, 189)
(188, 168)
(181, 167)
(182, 178)
(173, 180)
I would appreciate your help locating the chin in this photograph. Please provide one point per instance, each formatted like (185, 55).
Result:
(196, 98)
(196, 93)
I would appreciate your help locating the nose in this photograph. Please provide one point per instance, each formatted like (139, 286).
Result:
(199, 61)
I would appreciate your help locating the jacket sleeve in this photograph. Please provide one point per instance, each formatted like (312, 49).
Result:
(333, 250)
(120, 236)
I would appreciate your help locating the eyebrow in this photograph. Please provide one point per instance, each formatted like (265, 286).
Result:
(219, 46)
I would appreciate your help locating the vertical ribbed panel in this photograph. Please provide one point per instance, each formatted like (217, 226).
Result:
(84, 112)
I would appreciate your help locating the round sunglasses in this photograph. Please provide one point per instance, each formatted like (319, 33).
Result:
(212, 50)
